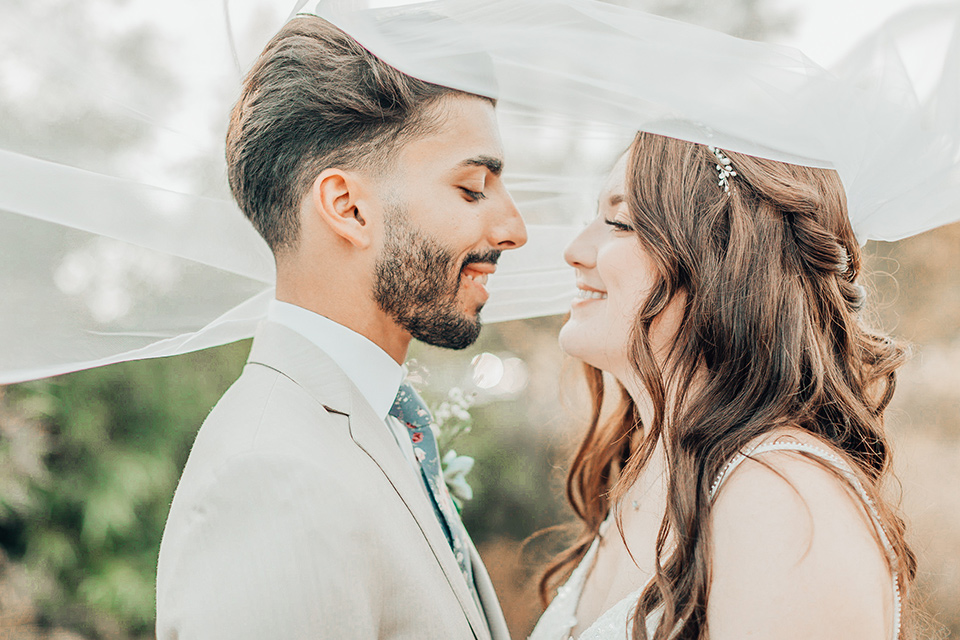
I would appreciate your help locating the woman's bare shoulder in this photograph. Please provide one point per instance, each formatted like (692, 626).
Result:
(794, 552)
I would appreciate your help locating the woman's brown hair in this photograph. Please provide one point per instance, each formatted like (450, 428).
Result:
(773, 335)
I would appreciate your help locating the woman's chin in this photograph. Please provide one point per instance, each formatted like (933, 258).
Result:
(577, 345)
(569, 340)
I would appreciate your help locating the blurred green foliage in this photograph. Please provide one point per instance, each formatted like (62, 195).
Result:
(92, 459)
(101, 452)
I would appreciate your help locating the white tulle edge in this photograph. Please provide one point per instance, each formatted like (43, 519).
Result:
(204, 230)
(236, 324)
(531, 278)
(894, 145)
(241, 322)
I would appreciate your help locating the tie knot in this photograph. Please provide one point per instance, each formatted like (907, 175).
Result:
(409, 407)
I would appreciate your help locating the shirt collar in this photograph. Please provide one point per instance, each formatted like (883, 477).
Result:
(375, 374)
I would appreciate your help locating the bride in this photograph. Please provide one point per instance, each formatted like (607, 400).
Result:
(730, 481)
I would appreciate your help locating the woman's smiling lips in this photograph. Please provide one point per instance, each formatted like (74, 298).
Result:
(587, 294)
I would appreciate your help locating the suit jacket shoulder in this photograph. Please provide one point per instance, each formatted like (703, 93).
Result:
(284, 524)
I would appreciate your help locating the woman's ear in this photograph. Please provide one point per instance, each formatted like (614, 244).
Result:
(337, 200)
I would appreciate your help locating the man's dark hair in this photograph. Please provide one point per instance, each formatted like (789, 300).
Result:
(316, 99)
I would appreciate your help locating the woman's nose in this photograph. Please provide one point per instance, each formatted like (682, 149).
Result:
(581, 252)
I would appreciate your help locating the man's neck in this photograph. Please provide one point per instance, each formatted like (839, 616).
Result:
(372, 324)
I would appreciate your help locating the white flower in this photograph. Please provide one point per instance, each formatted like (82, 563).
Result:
(460, 412)
(455, 469)
(442, 414)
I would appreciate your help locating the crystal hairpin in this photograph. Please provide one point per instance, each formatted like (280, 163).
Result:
(724, 168)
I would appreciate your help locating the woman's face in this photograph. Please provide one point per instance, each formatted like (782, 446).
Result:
(614, 276)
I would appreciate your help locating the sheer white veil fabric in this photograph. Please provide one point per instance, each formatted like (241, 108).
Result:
(98, 267)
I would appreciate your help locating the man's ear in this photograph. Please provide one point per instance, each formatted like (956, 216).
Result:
(337, 198)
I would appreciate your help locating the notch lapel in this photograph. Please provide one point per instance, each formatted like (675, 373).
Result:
(293, 355)
(372, 435)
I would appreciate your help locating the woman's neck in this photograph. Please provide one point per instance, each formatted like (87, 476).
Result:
(638, 394)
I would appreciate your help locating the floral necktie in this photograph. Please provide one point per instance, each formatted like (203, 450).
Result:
(410, 409)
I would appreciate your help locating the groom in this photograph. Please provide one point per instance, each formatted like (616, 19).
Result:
(311, 506)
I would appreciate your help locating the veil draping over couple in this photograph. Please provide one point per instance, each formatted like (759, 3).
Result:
(729, 481)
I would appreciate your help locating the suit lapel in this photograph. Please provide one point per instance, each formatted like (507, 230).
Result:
(286, 351)
(294, 356)
(488, 597)
(371, 434)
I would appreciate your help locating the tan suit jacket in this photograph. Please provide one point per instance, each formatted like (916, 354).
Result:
(297, 516)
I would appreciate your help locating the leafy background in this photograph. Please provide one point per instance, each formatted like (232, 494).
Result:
(89, 461)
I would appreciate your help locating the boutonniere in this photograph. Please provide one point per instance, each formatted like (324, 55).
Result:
(451, 418)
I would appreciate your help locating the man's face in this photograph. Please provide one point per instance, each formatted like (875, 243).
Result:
(447, 217)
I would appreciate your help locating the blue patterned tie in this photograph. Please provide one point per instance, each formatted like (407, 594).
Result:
(410, 409)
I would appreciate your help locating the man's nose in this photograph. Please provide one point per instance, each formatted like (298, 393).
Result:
(508, 230)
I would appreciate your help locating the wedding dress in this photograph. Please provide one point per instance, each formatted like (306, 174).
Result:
(616, 623)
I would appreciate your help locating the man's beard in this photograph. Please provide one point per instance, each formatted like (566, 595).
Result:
(417, 282)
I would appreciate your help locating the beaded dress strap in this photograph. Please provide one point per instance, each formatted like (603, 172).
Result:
(838, 463)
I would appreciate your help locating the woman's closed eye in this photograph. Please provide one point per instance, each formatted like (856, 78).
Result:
(617, 225)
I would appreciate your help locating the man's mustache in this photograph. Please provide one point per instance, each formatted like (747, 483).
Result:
(490, 257)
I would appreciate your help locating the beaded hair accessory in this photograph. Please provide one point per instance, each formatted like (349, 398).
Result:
(724, 169)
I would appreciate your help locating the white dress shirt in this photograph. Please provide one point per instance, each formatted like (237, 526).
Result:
(375, 374)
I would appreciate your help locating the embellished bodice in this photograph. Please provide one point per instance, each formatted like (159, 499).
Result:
(560, 617)
(616, 623)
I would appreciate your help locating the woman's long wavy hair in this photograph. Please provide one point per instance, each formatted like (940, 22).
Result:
(771, 332)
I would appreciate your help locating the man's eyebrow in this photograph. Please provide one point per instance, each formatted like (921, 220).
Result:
(494, 165)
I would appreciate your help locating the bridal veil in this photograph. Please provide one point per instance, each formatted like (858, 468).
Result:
(99, 264)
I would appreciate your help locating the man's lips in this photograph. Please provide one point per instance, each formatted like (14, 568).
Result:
(478, 271)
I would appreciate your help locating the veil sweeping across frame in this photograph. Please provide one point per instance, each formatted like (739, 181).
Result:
(99, 265)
